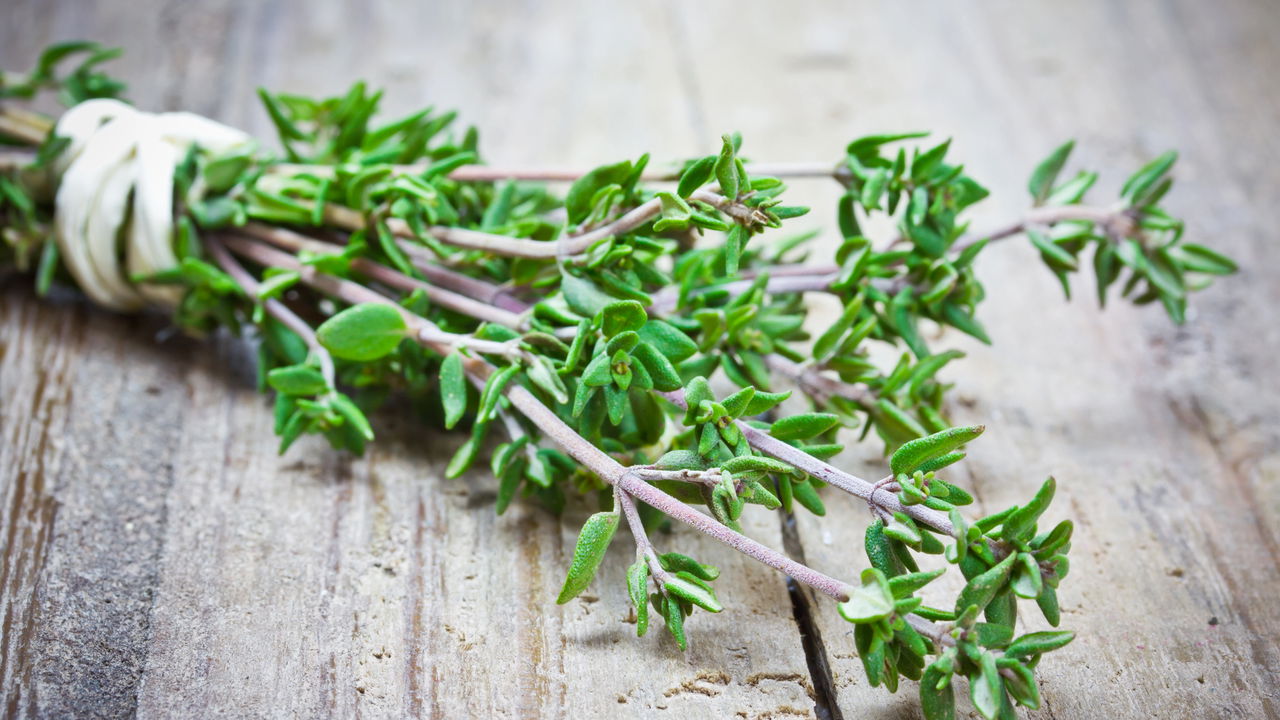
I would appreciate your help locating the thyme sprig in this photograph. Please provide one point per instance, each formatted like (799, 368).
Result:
(634, 338)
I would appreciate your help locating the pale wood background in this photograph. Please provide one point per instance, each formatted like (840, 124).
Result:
(160, 559)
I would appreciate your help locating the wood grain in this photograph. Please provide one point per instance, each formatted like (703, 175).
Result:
(159, 559)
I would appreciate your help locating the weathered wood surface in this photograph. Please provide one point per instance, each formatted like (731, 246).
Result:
(159, 559)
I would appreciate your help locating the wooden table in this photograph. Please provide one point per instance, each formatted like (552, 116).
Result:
(159, 558)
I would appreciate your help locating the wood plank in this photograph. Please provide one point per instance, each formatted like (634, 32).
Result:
(318, 584)
(1163, 439)
(249, 584)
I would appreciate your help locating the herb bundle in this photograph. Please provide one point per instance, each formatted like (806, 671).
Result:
(639, 338)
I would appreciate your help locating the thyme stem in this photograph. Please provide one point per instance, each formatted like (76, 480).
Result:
(275, 308)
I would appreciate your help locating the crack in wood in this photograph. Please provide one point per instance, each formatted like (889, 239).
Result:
(815, 651)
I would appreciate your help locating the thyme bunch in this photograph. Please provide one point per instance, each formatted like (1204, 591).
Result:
(640, 338)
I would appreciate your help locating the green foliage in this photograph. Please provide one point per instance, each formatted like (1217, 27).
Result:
(83, 82)
(363, 332)
(593, 541)
(696, 302)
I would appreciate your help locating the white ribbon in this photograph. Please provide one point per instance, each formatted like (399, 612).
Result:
(114, 207)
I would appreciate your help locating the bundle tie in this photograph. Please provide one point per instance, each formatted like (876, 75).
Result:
(117, 188)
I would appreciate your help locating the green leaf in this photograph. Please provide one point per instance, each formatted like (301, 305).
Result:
(582, 296)
(689, 588)
(696, 175)
(736, 404)
(1027, 581)
(675, 213)
(623, 316)
(726, 170)
(982, 588)
(578, 201)
(804, 493)
(904, 585)
(1037, 643)
(1048, 603)
(871, 601)
(937, 696)
(493, 389)
(637, 588)
(352, 415)
(763, 402)
(463, 458)
(1020, 525)
(985, 688)
(803, 427)
(1020, 683)
(1054, 255)
(958, 318)
(453, 389)
(755, 463)
(826, 343)
(669, 341)
(681, 460)
(1198, 258)
(1046, 173)
(675, 622)
(912, 455)
(297, 380)
(1138, 188)
(363, 332)
(879, 551)
(593, 541)
(695, 393)
(676, 562)
(49, 256)
(991, 635)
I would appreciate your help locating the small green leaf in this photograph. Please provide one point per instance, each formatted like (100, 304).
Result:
(453, 389)
(493, 389)
(675, 622)
(623, 316)
(669, 341)
(463, 458)
(637, 588)
(1046, 173)
(297, 380)
(1054, 255)
(958, 318)
(803, 427)
(1198, 258)
(1020, 525)
(687, 587)
(582, 296)
(904, 585)
(589, 551)
(985, 688)
(1027, 581)
(937, 696)
(908, 458)
(826, 343)
(363, 332)
(352, 415)
(1138, 188)
(755, 463)
(871, 601)
(726, 170)
(1048, 603)
(763, 402)
(696, 175)
(676, 562)
(578, 201)
(982, 588)
(681, 460)
(1037, 643)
